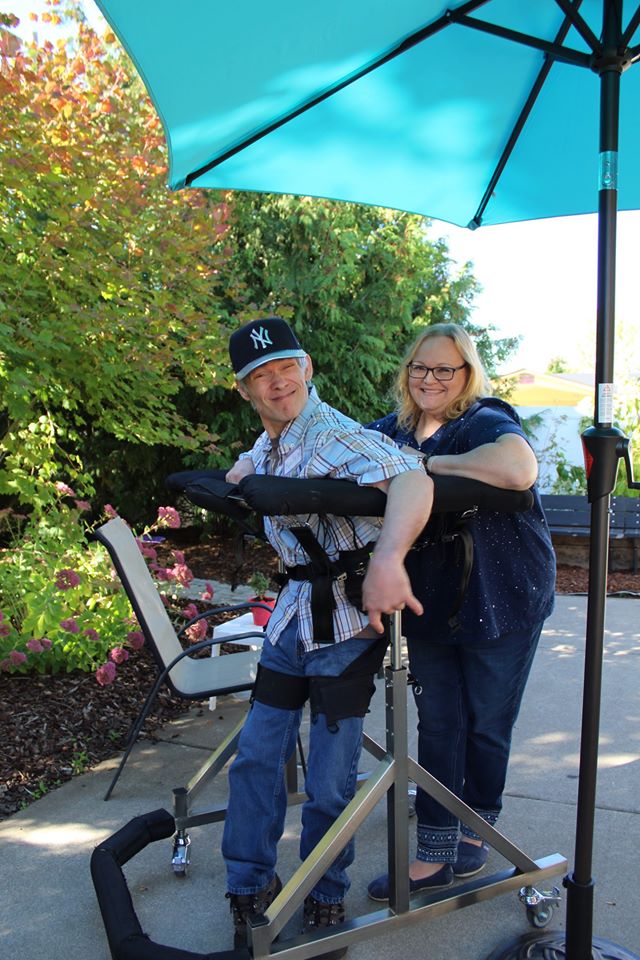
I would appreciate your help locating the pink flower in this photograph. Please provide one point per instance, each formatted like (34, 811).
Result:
(66, 579)
(147, 551)
(168, 517)
(92, 634)
(5, 629)
(119, 654)
(46, 643)
(5, 664)
(106, 674)
(70, 624)
(178, 556)
(109, 511)
(182, 574)
(17, 657)
(34, 645)
(163, 574)
(197, 631)
(83, 505)
(207, 593)
(135, 639)
(190, 611)
(64, 489)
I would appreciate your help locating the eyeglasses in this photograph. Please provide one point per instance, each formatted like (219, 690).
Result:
(418, 371)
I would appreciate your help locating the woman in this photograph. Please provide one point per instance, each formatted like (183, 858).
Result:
(470, 670)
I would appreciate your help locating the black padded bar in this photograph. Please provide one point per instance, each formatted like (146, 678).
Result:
(127, 941)
(285, 496)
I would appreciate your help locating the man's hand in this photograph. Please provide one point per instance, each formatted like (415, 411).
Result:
(241, 468)
(386, 588)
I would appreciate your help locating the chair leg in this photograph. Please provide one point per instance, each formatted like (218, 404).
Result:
(133, 736)
(303, 761)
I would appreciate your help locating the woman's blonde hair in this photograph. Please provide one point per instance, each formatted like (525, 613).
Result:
(477, 384)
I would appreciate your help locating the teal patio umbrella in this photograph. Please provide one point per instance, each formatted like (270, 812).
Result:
(478, 113)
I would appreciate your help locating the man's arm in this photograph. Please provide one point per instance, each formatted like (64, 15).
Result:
(386, 587)
(243, 467)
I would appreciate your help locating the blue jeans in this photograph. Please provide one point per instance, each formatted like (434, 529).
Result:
(468, 696)
(257, 791)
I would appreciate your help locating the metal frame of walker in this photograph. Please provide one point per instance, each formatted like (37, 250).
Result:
(391, 776)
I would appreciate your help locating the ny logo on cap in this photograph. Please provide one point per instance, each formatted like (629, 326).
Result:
(261, 338)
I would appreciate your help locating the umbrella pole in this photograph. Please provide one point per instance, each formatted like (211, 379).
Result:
(603, 446)
(600, 445)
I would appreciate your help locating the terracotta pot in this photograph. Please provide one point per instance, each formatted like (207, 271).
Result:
(260, 616)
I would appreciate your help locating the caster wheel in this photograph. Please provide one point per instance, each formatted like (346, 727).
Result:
(181, 874)
(539, 917)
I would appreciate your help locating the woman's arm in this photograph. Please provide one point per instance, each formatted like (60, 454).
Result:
(508, 462)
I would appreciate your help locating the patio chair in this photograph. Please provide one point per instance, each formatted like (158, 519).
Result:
(186, 677)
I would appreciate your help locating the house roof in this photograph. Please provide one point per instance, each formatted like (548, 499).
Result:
(531, 388)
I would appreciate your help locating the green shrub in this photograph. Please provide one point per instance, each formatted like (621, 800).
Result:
(62, 606)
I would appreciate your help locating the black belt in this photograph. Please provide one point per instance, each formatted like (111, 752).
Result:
(321, 572)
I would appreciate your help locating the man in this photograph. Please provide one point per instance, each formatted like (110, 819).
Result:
(319, 644)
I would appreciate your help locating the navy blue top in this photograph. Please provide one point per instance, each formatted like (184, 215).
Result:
(513, 576)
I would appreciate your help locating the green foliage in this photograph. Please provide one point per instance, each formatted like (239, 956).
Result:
(259, 583)
(106, 315)
(566, 477)
(627, 418)
(354, 281)
(62, 607)
(117, 298)
(557, 365)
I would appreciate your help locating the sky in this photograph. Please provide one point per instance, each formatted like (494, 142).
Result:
(538, 278)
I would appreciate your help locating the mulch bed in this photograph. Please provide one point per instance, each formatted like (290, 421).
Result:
(55, 727)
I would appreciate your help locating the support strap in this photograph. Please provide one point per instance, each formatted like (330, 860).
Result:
(349, 694)
(464, 542)
(350, 566)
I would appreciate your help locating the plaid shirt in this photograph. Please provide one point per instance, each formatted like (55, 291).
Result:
(322, 442)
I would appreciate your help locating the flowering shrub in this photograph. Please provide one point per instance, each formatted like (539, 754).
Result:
(62, 606)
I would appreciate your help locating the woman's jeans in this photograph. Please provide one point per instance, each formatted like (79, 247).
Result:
(468, 696)
(258, 796)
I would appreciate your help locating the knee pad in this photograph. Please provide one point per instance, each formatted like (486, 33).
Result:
(349, 694)
(280, 690)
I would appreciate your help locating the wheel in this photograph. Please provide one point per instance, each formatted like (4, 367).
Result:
(539, 916)
(180, 872)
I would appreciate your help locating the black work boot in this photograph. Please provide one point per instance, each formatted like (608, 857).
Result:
(247, 905)
(319, 916)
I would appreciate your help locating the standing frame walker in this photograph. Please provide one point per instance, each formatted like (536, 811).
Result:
(390, 776)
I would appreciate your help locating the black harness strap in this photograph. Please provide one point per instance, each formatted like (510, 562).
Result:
(282, 690)
(349, 694)
(463, 540)
(350, 566)
(321, 572)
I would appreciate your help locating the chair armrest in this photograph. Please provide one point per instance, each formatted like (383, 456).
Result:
(214, 611)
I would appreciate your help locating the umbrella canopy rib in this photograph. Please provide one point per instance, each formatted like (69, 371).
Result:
(631, 29)
(406, 44)
(571, 12)
(565, 54)
(540, 80)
